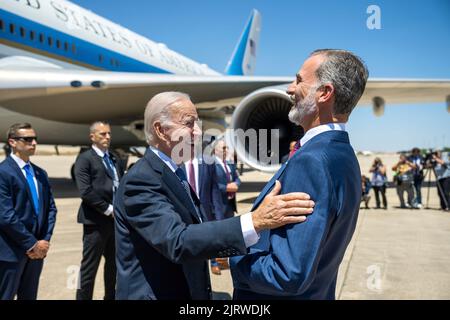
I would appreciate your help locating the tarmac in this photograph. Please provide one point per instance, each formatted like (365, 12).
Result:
(394, 254)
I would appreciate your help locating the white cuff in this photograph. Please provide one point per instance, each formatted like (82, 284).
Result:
(109, 211)
(248, 230)
(31, 249)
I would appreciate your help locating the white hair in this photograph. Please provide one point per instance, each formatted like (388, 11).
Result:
(94, 125)
(159, 109)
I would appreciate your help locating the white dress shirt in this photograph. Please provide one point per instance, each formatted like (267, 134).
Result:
(248, 230)
(21, 165)
(220, 161)
(311, 133)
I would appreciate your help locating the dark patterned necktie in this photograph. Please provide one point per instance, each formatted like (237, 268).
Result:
(182, 176)
(192, 176)
(108, 163)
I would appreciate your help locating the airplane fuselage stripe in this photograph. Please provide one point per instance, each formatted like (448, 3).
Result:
(71, 48)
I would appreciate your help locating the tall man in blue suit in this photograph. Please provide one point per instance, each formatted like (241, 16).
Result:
(27, 217)
(301, 261)
(163, 240)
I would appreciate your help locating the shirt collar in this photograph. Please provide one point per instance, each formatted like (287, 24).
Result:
(311, 133)
(100, 153)
(167, 160)
(219, 160)
(19, 161)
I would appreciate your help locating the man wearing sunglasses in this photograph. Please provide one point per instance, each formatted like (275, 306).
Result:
(27, 217)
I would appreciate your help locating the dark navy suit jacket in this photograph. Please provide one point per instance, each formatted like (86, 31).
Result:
(20, 227)
(209, 188)
(223, 204)
(95, 185)
(161, 246)
(301, 261)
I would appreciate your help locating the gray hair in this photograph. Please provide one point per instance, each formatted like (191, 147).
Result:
(159, 109)
(96, 123)
(347, 73)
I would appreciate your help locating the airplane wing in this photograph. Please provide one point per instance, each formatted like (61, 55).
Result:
(406, 90)
(79, 96)
(84, 96)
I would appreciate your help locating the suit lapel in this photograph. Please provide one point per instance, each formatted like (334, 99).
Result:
(19, 173)
(41, 190)
(268, 186)
(101, 163)
(172, 180)
(201, 173)
(263, 243)
(115, 163)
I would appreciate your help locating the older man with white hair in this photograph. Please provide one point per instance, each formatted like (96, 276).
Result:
(162, 239)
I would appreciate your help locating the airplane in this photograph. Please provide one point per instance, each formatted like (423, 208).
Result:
(63, 67)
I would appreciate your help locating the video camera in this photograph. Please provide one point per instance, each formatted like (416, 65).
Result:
(428, 159)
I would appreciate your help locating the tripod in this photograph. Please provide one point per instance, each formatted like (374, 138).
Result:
(428, 172)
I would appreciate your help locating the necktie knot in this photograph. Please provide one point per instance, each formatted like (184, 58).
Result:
(27, 168)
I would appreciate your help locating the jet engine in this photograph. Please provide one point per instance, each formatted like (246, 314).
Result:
(265, 130)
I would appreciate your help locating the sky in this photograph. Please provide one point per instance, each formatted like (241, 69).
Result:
(413, 42)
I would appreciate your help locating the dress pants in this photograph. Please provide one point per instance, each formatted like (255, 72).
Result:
(98, 241)
(20, 278)
(444, 192)
(230, 208)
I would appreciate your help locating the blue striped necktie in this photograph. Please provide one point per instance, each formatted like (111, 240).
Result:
(32, 186)
(108, 163)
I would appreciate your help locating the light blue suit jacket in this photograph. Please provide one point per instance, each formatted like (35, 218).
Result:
(301, 261)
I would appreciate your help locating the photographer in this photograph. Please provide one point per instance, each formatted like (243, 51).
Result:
(365, 186)
(418, 160)
(404, 180)
(379, 181)
(442, 170)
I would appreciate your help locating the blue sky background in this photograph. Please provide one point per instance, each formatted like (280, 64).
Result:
(414, 42)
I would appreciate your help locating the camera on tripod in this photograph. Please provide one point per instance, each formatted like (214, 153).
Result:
(429, 160)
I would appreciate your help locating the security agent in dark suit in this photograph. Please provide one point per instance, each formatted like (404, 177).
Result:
(301, 261)
(27, 217)
(163, 240)
(228, 180)
(97, 174)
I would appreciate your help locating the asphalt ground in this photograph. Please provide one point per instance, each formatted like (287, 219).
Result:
(394, 254)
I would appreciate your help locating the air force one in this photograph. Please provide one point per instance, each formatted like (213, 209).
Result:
(63, 67)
